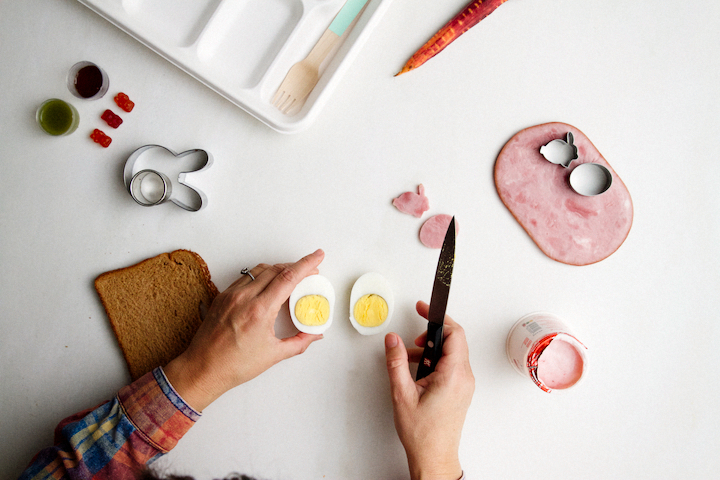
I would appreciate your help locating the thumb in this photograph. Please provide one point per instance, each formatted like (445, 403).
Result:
(292, 346)
(401, 382)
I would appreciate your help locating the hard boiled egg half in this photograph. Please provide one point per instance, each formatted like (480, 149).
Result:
(311, 304)
(371, 304)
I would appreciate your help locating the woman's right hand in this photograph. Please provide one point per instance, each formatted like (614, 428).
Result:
(429, 414)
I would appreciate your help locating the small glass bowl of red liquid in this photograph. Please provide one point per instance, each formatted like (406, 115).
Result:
(57, 117)
(88, 81)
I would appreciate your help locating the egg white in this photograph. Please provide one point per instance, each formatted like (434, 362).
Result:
(312, 285)
(365, 285)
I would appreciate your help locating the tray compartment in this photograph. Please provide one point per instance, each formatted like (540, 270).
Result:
(178, 22)
(313, 24)
(243, 37)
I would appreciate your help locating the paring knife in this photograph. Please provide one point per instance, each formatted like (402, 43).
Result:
(438, 303)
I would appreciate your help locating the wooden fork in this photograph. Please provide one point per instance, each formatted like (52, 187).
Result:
(304, 75)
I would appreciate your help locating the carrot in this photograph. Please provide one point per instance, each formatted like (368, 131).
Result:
(464, 21)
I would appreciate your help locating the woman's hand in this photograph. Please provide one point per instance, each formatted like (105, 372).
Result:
(236, 342)
(429, 414)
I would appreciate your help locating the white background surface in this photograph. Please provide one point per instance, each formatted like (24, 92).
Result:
(640, 79)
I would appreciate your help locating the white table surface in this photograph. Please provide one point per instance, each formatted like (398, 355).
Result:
(640, 79)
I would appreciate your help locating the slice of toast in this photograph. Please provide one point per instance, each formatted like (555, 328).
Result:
(154, 306)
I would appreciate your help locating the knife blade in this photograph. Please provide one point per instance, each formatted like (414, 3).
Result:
(438, 303)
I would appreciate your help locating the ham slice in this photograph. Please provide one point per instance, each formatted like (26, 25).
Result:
(432, 233)
(413, 203)
(566, 226)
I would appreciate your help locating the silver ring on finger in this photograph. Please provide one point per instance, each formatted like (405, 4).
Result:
(246, 271)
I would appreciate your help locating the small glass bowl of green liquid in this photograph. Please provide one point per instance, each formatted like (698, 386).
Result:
(57, 117)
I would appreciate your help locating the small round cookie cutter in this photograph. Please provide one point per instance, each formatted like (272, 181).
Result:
(148, 188)
(587, 179)
(149, 182)
(590, 179)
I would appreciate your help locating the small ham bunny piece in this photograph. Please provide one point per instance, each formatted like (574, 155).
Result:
(413, 203)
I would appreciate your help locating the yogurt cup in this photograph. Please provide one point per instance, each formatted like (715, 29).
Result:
(542, 347)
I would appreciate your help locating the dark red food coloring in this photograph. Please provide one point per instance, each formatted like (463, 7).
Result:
(88, 81)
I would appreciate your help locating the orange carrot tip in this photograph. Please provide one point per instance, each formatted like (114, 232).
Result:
(463, 21)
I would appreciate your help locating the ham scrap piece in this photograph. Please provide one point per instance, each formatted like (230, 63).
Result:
(413, 203)
(432, 233)
(568, 227)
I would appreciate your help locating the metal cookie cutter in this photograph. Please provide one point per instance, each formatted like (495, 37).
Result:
(587, 179)
(560, 151)
(155, 174)
(590, 179)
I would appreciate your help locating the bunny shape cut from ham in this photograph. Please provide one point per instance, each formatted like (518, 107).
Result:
(414, 204)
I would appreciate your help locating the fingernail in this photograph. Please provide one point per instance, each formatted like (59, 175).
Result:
(318, 252)
(391, 340)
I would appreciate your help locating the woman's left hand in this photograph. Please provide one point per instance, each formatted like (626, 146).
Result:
(236, 342)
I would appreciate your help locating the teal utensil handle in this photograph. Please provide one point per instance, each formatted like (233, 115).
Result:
(347, 14)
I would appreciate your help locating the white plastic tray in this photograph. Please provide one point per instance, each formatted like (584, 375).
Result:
(243, 49)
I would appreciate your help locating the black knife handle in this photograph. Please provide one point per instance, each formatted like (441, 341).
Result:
(432, 352)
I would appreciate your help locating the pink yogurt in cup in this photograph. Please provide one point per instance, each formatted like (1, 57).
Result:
(540, 346)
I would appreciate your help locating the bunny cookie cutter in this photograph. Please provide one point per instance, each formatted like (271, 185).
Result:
(588, 179)
(154, 174)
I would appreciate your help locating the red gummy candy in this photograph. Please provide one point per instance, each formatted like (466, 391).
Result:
(99, 136)
(113, 120)
(124, 102)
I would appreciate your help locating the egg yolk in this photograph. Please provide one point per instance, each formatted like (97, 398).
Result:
(312, 310)
(371, 310)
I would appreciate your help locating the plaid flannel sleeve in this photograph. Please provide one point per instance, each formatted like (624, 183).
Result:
(118, 438)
